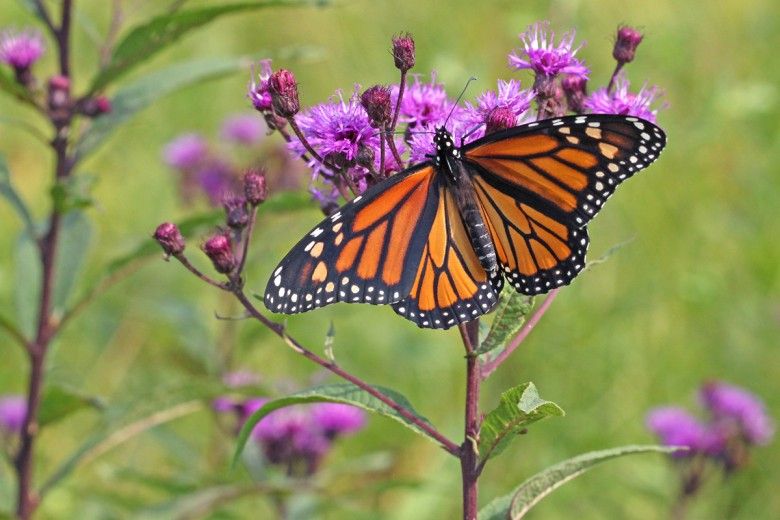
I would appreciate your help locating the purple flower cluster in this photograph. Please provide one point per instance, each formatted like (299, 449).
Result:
(20, 49)
(737, 419)
(296, 438)
(210, 170)
(342, 140)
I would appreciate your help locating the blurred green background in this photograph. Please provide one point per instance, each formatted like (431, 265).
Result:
(694, 296)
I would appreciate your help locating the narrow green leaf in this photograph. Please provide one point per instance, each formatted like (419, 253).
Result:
(510, 315)
(517, 503)
(27, 283)
(58, 402)
(9, 193)
(73, 193)
(75, 235)
(519, 407)
(335, 393)
(146, 40)
(135, 97)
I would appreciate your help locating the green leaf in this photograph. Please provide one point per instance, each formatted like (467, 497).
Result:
(27, 283)
(135, 97)
(335, 393)
(517, 503)
(330, 338)
(75, 237)
(9, 84)
(146, 40)
(58, 402)
(9, 193)
(72, 193)
(510, 315)
(519, 407)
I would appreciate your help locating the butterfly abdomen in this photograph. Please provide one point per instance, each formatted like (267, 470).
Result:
(477, 230)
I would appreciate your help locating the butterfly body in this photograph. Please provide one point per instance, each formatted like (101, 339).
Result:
(438, 240)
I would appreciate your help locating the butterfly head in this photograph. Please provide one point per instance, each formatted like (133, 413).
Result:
(445, 146)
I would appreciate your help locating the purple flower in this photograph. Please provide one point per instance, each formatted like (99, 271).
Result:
(13, 411)
(243, 129)
(239, 378)
(257, 90)
(223, 404)
(280, 424)
(20, 49)
(424, 104)
(732, 404)
(421, 138)
(676, 427)
(508, 96)
(338, 419)
(623, 102)
(541, 55)
(216, 179)
(186, 151)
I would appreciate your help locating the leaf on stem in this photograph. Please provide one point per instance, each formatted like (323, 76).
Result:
(153, 36)
(346, 393)
(27, 283)
(510, 315)
(76, 234)
(517, 503)
(8, 84)
(72, 193)
(519, 407)
(58, 402)
(9, 193)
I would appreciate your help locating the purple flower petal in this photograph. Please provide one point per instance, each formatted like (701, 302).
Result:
(623, 102)
(676, 427)
(243, 129)
(732, 403)
(540, 54)
(20, 49)
(509, 95)
(186, 151)
(338, 419)
(13, 411)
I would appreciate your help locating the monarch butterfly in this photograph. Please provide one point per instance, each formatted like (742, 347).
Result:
(437, 240)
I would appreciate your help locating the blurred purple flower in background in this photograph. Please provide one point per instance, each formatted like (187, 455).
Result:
(186, 152)
(540, 54)
(13, 411)
(731, 404)
(244, 129)
(674, 426)
(295, 438)
(623, 102)
(21, 49)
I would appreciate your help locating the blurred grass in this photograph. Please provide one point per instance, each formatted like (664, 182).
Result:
(694, 296)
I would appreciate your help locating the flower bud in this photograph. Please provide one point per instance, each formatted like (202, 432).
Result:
(219, 249)
(170, 239)
(20, 50)
(96, 106)
(236, 214)
(500, 118)
(403, 51)
(574, 87)
(376, 101)
(59, 93)
(255, 189)
(284, 93)
(628, 39)
(365, 157)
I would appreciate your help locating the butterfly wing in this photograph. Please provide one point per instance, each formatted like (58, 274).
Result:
(366, 252)
(539, 184)
(450, 286)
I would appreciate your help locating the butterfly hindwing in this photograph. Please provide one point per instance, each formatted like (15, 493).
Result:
(450, 285)
(566, 166)
(364, 253)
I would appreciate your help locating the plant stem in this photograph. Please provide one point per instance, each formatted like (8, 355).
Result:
(469, 454)
(614, 77)
(27, 499)
(446, 444)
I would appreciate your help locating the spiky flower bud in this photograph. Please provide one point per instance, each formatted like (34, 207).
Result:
(365, 157)
(284, 93)
(628, 39)
(219, 249)
(236, 214)
(59, 93)
(403, 51)
(500, 118)
(170, 239)
(255, 189)
(574, 87)
(96, 106)
(376, 100)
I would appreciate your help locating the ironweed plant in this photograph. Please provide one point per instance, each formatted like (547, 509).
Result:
(356, 140)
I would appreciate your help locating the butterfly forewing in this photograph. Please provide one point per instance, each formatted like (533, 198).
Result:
(366, 252)
(568, 166)
(450, 285)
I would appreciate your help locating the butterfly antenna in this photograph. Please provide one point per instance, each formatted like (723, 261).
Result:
(472, 78)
